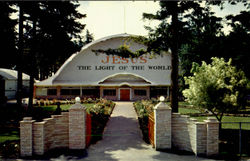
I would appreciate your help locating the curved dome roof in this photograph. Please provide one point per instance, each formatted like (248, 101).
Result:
(12, 74)
(88, 68)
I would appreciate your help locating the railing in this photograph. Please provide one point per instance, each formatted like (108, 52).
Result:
(151, 122)
(235, 138)
(88, 129)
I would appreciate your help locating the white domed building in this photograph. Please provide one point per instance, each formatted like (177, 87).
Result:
(8, 83)
(87, 74)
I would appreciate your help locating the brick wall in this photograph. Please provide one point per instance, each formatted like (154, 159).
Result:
(201, 138)
(36, 138)
(193, 136)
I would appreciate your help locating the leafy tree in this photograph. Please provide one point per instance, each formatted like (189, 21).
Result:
(218, 87)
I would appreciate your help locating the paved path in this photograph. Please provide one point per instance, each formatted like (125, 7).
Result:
(122, 141)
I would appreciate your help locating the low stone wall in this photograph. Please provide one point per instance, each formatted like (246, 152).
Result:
(188, 134)
(184, 133)
(36, 138)
(48, 134)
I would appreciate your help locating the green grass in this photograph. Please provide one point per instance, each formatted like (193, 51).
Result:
(184, 111)
(63, 106)
(9, 135)
(227, 119)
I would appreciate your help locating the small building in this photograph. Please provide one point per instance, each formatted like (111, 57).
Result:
(89, 74)
(8, 83)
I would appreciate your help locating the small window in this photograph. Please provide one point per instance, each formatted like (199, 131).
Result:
(140, 92)
(109, 92)
(52, 92)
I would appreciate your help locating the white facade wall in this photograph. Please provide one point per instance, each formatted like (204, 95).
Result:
(11, 88)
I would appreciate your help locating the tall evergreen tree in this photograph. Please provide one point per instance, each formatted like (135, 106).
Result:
(237, 43)
(170, 34)
(88, 37)
(7, 36)
(57, 33)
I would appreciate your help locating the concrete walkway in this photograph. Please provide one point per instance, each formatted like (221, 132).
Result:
(122, 141)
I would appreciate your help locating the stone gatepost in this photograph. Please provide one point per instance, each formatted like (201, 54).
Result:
(77, 115)
(212, 136)
(26, 127)
(162, 126)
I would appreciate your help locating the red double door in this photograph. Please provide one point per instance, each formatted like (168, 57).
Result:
(125, 94)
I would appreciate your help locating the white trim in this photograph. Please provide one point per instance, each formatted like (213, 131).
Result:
(130, 93)
(117, 74)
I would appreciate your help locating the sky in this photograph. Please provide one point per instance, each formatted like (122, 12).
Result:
(116, 17)
(105, 18)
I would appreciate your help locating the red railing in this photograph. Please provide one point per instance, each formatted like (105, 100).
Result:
(88, 129)
(151, 122)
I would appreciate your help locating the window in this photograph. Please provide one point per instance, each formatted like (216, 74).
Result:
(140, 92)
(160, 91)
(109, 92)
(52, 92)
(91, 92)
(70, 92)
(75, 92)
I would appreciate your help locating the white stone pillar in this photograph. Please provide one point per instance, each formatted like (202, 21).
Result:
(162, 126)
(212, 136)
(77, 130)
(26, 136)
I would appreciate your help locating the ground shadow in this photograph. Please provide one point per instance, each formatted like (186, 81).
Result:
(120, 134)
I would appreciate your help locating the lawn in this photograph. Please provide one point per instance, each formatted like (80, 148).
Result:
(9, 134)
(184, 111)
(63, 107)
(227, 122)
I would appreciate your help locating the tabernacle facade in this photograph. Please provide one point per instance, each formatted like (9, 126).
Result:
(93, 75)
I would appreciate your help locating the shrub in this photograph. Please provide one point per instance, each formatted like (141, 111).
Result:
(218, 87)
(143, 108)
(100, 114)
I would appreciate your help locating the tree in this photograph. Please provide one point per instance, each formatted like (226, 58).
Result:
(20, 57)
(218, 87)
(203, 41)
(47, 27)
(7, 36)
(170, 34)
(88, 37)
(208, 40)
(237, 43)
(56, 24)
